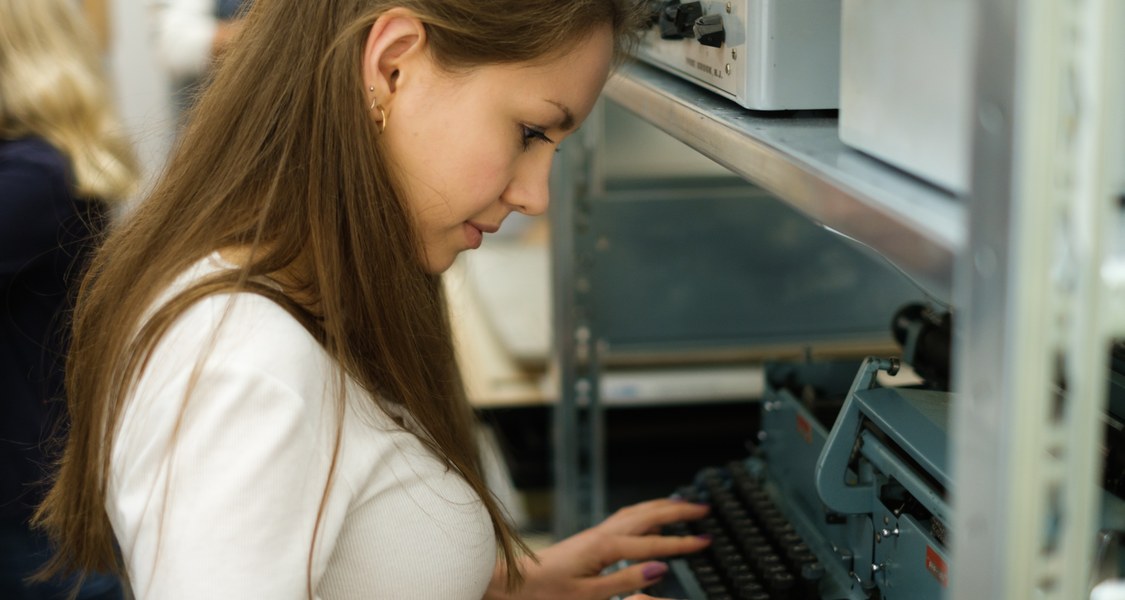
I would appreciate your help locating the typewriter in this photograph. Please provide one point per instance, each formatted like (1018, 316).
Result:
(845, 492)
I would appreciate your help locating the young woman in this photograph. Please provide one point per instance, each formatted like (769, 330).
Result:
(62, 164)
(263, 384)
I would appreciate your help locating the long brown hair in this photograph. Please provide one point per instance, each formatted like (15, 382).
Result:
(281, 156)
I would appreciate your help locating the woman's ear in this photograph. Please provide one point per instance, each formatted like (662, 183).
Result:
(395, 48)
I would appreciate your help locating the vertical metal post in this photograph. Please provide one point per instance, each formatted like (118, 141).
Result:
(578, 419)
(1032, 341)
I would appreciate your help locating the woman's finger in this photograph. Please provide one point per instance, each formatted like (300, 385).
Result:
(650, 516)
(633, 577)
(632, 547)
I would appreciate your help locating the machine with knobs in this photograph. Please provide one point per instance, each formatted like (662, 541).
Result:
(765, 55)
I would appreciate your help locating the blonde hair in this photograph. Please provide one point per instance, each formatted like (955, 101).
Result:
(51, 86)
(282, 157)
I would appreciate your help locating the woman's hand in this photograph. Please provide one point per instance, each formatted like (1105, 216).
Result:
(572, 569)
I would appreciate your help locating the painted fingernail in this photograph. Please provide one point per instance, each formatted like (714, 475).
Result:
(705, 536)
(654, 570)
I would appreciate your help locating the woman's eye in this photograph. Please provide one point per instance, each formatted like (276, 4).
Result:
(531, 134)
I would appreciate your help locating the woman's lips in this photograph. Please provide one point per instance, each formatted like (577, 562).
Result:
(474, 232)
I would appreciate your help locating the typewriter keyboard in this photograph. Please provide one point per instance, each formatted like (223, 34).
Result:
(755, 553)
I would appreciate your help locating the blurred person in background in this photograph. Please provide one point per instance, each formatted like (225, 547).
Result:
(63, 164)
(190, 35)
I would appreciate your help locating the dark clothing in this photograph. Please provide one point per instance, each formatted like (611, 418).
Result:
(229, 9)
(46, 235)
(23, 551)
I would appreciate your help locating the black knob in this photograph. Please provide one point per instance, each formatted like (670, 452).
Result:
(925, 336)
(677, 20)
(655, 7)
(709, 31)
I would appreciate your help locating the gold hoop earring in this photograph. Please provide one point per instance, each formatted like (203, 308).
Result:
(382, 113)
(383, 118)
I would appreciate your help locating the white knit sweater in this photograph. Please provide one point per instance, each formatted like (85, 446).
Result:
(227, 507)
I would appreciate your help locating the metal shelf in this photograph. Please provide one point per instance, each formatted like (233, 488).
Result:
(921, 228)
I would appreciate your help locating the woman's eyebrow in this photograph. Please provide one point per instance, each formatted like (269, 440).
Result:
(567, 122)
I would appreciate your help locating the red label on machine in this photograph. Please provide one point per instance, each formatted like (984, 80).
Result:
(804, 429)
(936, 566)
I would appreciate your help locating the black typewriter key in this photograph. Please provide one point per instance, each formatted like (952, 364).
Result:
(789, 539)
(776, 527)
(785, 528)
(731, 510)
(738, 515)
(736, 573)
(697, 561)
(704, 569)
(808, 586)
(713, 588)
(756, 551)
(711, 581)
(798, 549)
(753, 540)
(742, 534)
(728, 563)
(780, 585)
(743, 525)
(724, 501)
(757, 495)
(761, 508)
(745, 491)
(753, 591)
(744, 580)
(767, 563)
(721, 550)
(800, 560)
(727, 505)
(721, 538)
(773, 517)
(711, 481)
(737, 468)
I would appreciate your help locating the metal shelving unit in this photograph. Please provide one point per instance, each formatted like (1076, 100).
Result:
(801, 159)
(1034, 260)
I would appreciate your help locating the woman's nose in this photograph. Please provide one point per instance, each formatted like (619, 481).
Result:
(529, 190)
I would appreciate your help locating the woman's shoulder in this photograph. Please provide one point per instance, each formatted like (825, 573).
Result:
(239, 331)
